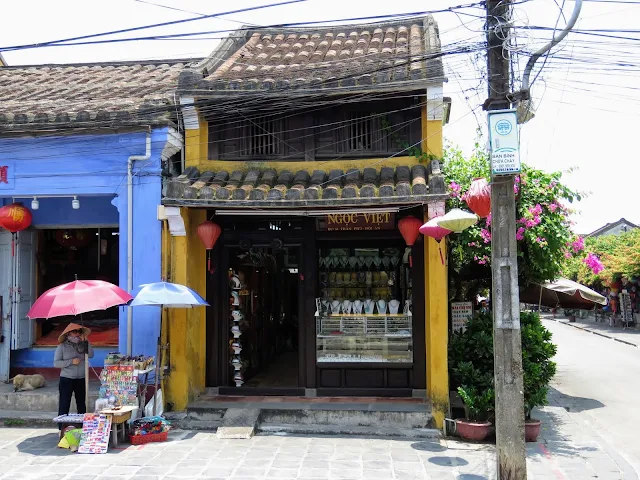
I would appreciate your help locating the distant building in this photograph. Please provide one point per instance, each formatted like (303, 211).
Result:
(614, 228)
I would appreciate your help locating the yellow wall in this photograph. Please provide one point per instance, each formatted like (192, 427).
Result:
(186, 328)
(436, 296)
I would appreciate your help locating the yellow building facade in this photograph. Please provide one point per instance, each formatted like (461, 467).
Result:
(240, 194)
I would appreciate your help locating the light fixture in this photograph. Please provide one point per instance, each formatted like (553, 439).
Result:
(35, 204)
(75, 203)
(457, 220)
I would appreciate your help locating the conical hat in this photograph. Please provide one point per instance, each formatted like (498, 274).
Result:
(73, 326)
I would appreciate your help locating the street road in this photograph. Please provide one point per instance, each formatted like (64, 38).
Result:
(598, 381)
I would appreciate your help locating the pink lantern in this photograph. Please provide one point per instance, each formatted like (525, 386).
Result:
(432, 229)
(478, 197)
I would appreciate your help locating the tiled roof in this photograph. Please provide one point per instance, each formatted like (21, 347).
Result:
(89, 94)
(399, 55)
(273, 189)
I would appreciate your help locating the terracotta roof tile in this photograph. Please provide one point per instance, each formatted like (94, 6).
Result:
(403, 54)
(285, 189)
(97, 93)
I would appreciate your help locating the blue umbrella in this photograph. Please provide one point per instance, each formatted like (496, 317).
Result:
(164, 294)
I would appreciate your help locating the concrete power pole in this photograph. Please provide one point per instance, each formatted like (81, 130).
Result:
(507, 345)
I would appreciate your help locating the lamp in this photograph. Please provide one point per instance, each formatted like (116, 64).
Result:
(35, 204)
(75, 203)
(478, 197)
(437, 232)
(457, 220)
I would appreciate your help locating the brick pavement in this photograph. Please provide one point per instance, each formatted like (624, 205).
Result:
(565, 451)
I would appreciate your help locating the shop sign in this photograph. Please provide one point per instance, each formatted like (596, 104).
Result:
(358, 222)
(504, 146)
(6, 175)
(460, 313)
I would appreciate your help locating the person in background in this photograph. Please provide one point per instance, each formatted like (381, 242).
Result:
(69, 358)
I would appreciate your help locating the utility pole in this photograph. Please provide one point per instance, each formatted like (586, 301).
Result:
(507, 344)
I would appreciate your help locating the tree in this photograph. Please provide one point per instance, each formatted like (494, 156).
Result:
(544, 230)
(619, 256)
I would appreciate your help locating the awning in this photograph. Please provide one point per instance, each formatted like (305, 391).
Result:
(563, 293)
(272, 189)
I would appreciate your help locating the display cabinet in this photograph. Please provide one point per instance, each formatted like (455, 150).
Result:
(364, 338)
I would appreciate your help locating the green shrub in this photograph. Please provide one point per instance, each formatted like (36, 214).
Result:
(471, 364)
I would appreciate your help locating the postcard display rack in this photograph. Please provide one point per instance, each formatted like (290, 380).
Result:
(237, 310)
(364, 313)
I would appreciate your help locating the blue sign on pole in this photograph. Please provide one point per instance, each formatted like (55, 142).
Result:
(504, 144)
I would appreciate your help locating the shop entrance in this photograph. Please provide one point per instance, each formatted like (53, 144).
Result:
(264, 315)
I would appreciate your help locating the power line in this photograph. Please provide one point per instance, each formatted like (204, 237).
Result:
(145, 27)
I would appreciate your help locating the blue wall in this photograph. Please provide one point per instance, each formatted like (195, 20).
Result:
(43, 357)
(94, 167)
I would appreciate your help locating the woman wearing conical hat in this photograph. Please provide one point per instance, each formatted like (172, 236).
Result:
(69, 358)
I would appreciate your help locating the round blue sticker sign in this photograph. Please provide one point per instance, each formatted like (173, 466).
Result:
(503, 127)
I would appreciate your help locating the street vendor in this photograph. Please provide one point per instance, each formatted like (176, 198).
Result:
(69, 358)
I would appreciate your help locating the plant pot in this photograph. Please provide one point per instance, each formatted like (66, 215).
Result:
(532, 430)
(475, 431)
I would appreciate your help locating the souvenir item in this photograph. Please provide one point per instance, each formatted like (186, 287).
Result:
(236, 363)
(237, 315)
(335, 307)
(237, 348)
(382, 307)
(332, 278)
(346, 307)
(407, 307)
(362, 278)
(236, 331)
(369, 305)
(377, 261)
(384, 279)
(362, 261)
(376, 278)
(234, 282)
(344, 261)
(392, 279)
(394, 305)
(357, 307)
(236, 299)
(368, 261)
(353, 261)
(395, 261)
(369, 279)
(385, 262)
(354, 279)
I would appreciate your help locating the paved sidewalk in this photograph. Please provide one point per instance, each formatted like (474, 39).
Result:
(629, 336)
(566, 451)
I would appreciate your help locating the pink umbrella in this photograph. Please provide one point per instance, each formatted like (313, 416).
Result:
(433, 229)
(78, 297)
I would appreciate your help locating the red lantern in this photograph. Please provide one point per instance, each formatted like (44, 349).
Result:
(209, 233)
(410, 229)
(15, 217)
(478, 197)
(432, 229)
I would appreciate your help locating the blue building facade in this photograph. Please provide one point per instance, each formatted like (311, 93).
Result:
(55, 172)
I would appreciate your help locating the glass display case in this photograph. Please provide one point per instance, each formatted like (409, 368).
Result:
(368, 338)
(363, 313)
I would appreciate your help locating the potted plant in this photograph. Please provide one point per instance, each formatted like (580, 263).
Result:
(537, 367)
(477, 404)
(471, 367)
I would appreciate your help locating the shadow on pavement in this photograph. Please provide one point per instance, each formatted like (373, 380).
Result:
(572, 404)
(448, 461)
(427, 446)
(46, 444)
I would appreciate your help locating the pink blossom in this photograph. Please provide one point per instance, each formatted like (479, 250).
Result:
(455, 189)
(553, 184)
(520, 233)
(593, 262)
(535, 211)
(553, 207)
(567, 254)
(486, 235)
(578, 245)
(489, 220)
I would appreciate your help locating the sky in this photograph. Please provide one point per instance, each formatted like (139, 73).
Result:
(586, 97)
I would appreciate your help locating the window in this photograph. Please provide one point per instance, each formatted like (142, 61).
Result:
(363, 133)
(262, 136)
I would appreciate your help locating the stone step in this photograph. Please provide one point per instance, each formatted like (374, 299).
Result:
(238, 423)
(41, 400)
(316, 429)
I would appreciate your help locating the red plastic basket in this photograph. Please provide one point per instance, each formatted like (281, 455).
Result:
(154, 437)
